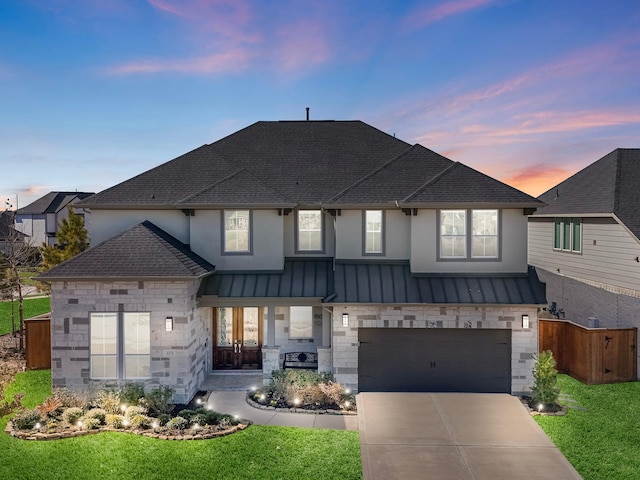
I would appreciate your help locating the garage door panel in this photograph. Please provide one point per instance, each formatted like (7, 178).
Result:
(435, 360)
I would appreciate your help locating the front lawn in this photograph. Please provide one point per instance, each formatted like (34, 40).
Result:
(263, 452)
(32, 307)
(603, 441)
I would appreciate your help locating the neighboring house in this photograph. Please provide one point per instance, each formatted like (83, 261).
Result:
(7, 232)
(585, 243)
(401, 269)
(40, 219)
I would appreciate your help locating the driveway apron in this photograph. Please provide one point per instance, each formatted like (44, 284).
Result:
(454, 436)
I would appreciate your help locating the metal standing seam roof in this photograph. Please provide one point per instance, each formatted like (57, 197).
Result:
(304, 277)
(393, 283)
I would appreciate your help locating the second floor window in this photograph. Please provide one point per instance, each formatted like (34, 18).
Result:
(237, 231)
(567, 234)
(373, 234)
(310, 231)
(469, 234)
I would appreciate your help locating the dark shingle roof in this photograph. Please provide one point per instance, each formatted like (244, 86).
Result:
(608, 186)
(312, 278)
(306, 163)
(52, 202)
(393, 283)
(143, 251)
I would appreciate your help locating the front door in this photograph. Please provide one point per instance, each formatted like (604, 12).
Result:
(238, 338)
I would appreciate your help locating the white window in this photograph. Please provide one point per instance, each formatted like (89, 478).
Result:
(115, 334)
(104, 345)
(237, 231)
(374, 235)
(310, 230)
(567, 234)
(484, 233)
(300, 322)
(469, 234)
(453, 233)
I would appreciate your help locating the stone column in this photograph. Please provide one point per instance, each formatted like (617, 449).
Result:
(325, 364)
(270, 362)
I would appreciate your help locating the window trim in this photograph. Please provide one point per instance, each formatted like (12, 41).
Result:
(297, 231)
(120, 354)
(223, 233)
(383, 232)
(468, 237)
(559, 225)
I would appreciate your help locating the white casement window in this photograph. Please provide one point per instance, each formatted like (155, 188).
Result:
(237, 231)
(567, 234)
(484, 233)
(310, 231)
(137, 345)
(469, 234)
(373, 235)
(104, 345)
(300, 322)
(120, 345)
(453, 234)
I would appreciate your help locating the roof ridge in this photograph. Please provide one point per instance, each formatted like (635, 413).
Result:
(373, 172)
(208, 187)
(166, 243)
(433, 180)
(616, 189)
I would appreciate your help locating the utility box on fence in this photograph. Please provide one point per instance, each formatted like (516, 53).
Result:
(591, 355)
(38, 342)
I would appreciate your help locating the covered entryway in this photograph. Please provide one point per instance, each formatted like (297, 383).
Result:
(454, 436)
(237, 342)
(434, 360)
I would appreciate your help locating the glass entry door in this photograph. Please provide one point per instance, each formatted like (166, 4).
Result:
(237, 338)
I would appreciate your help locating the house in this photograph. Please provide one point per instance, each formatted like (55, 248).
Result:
(7, 233)
(395, 267)
(585, 243)
(40, 219)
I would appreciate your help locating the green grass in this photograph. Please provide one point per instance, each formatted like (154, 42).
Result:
(32, 307)
(259, 452)
(604, 441)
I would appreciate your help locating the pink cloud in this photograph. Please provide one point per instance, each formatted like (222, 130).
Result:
(441, 11)
(300, 45)
(225, 62)
(536, 179)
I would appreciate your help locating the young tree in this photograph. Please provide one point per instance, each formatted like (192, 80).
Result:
(72, 239)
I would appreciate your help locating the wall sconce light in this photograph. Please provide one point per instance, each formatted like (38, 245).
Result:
(345, 319)
(525, 321)
(169, 324)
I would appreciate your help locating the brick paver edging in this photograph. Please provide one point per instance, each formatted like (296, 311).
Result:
(30, 435)
(299, 410)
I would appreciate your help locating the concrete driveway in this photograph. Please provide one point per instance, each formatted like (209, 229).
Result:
(454, 436)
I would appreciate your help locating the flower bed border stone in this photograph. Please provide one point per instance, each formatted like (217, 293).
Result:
(328, 411)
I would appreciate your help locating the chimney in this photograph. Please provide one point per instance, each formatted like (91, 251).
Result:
(307, 114)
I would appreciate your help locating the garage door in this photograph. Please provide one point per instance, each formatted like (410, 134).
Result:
(434, 360)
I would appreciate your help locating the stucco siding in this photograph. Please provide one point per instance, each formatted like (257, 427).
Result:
(108, 223)
(608, 254)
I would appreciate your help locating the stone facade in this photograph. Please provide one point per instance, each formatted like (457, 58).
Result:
(524, 341)
(178, 357)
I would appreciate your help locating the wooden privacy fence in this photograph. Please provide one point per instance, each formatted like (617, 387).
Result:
(591, 355)
(38, 342)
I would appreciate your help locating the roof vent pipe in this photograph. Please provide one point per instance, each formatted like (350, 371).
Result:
(307, 114)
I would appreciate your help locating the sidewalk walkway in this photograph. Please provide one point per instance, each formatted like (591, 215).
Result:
(235, 403)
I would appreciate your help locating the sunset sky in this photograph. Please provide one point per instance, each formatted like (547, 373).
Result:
(93, 92)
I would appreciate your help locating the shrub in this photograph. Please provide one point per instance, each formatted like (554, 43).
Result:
(71, 415)
(52, 425)
(26, 420)
(109, 401)
(50, 407)
(131, 393)
(91, 423)
(140, 421)
(70, 398)
(299, 386)
(177, 423)
(114, 421)
(333, 392)
(163, 418)
(133, 410)
(186, 414)
(97, 413)
(545, 375)
(159, 400)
